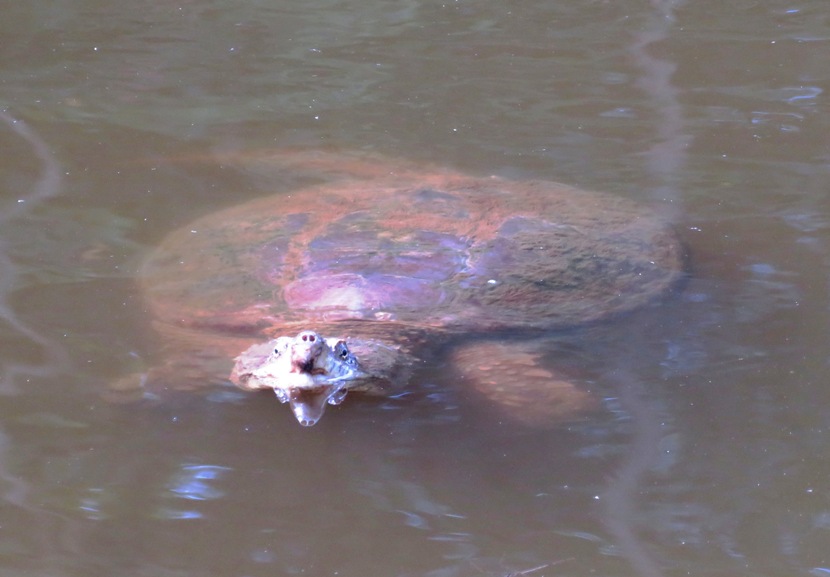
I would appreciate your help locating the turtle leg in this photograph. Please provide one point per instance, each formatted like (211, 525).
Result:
(188, 361)
(515, 377)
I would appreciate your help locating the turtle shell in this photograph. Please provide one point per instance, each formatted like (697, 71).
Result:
(439, 251)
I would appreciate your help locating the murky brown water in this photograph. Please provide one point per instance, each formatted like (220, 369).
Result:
(710, 453)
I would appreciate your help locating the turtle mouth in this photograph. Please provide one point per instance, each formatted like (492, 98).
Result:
(309, 404)
(306, 366)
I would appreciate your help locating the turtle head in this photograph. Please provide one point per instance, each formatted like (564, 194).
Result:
(307, 371)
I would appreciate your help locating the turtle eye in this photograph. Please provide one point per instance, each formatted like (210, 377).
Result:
(280, 346)
(345, 355)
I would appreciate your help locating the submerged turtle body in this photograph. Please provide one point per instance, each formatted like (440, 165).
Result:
(391, 261)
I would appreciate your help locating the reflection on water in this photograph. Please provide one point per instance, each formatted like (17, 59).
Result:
(707, 455)
(18, 206)
(193, 483)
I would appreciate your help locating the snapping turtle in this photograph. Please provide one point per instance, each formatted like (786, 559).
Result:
(346, 285)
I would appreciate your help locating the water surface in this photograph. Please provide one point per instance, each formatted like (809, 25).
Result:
(708, 455)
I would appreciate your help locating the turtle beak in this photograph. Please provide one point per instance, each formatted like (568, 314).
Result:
(308, 405)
